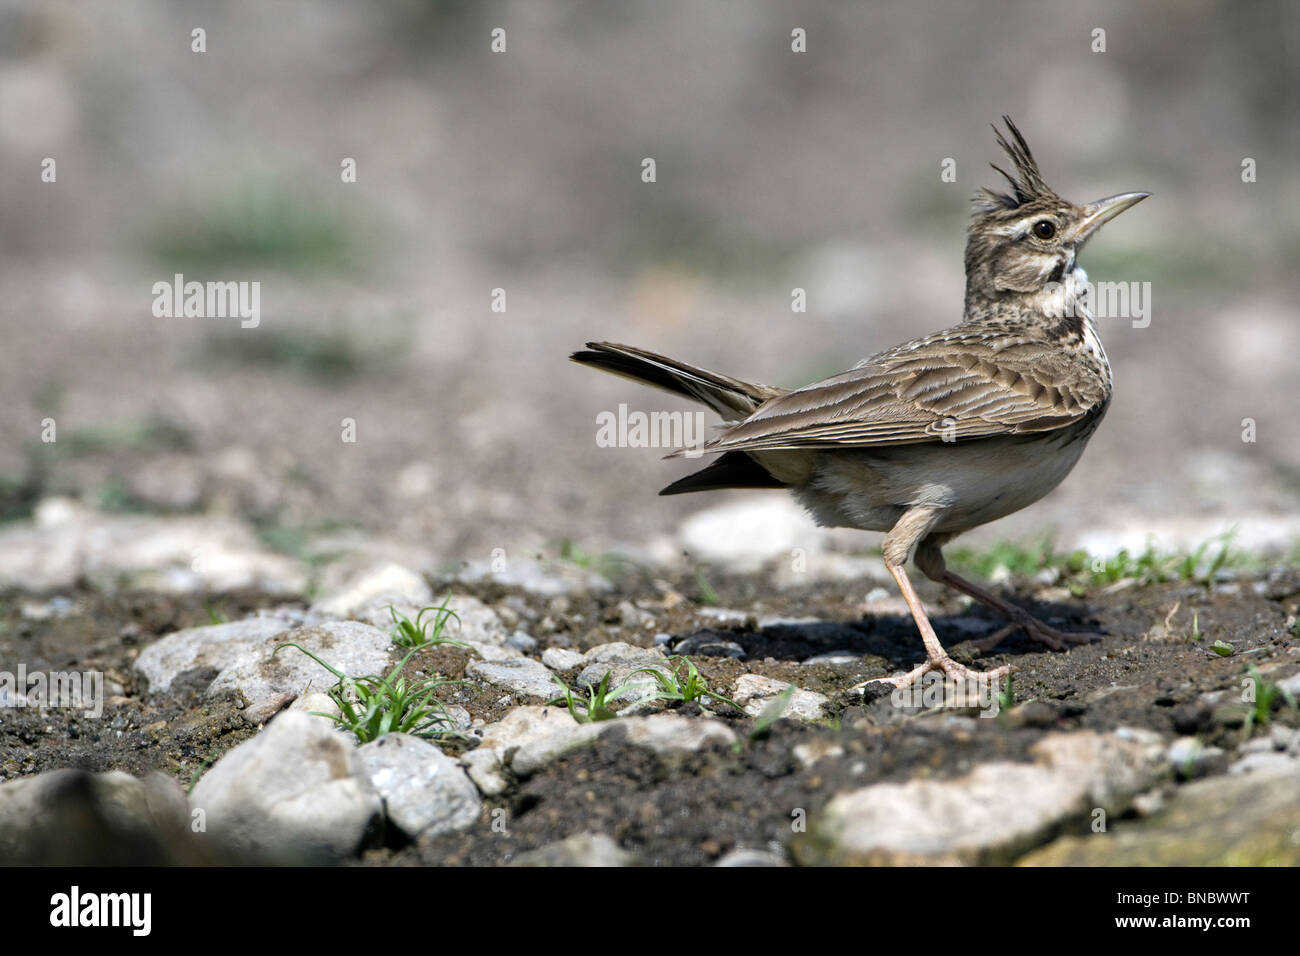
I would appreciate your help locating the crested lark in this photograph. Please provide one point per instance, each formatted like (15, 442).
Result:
(941, 434)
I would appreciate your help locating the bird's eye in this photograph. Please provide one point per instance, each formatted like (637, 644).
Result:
(1044, 229)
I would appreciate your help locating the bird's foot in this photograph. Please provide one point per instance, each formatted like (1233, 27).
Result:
(1038, 631)
(947, 666)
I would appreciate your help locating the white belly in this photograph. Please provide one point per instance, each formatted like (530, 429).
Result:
(972, 482)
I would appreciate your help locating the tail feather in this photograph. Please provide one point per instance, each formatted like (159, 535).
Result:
(729, 397)
(735, 469)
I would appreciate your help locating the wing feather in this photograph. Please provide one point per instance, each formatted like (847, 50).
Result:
(960, 384)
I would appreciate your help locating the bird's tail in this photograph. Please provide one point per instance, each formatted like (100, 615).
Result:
(729, 397)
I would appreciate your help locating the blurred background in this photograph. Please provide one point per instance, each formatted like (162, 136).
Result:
(521, 171)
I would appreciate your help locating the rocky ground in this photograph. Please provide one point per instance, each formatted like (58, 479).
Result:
(1173, 739)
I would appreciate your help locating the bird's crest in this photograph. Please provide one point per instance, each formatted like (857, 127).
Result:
(1026, 186)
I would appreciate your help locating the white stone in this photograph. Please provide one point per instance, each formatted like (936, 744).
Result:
(667, 735)
(581, 849)
(355, 649)
(486, 764)
(374, 589)
(754, 692)
(561, 658)
(523, 676)
(991, 814)
(295, 793)
(424, 791)
(215, 647)
(744, 535)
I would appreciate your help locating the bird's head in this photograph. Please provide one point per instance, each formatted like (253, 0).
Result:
(1022, 244)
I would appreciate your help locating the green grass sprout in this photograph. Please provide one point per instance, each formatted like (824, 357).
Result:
(595, 707)
(421, 633)
(372, 706)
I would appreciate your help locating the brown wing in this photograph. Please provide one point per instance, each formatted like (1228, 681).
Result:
(955, 385)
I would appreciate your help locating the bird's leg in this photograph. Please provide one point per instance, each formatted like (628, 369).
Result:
(898, 545)
(936, 658)
(931, 563)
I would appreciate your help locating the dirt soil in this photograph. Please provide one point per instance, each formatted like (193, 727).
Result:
(1146, 672)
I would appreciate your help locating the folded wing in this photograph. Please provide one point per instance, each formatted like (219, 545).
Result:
(955, 386)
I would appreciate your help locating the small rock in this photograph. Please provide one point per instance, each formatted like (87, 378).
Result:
(629, 615)
(316, 702)
(373, 590)
(581, 849)
(722, 615)
(68, 543)
(1291, 684)
(1243, 820)
(667, 735)
(1285, 738)
(459, 718)
(203, 648)
(523, 676)
(777, 620)
(263, 710)
(833, 657)
(561, 659)
(1256, 762)
(263, 671)
(1150, 803)
(486, 765)
(630, 680)
(1258, 745)
(296, 793)
(991, 814)
(1190, 758)
(754, 692)
(53, 609)
(622, 652)
(424, 791)
(1140, 735)
(709, 644)
(745, 534)
(809, 752)
(520, 641)
(492, 652)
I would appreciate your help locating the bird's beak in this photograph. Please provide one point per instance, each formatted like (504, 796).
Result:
(1096, 214)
